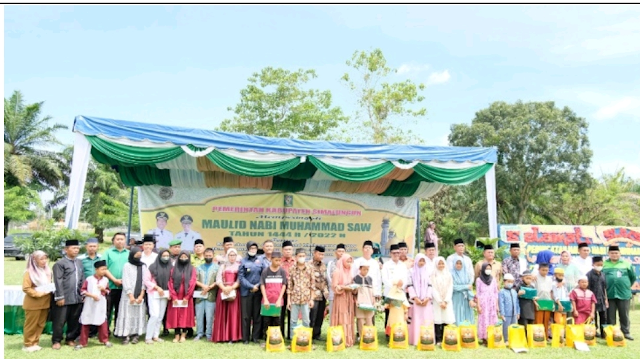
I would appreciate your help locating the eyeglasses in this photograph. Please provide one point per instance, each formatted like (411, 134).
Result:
(395, 252)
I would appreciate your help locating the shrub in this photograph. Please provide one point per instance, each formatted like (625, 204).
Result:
(49, 240)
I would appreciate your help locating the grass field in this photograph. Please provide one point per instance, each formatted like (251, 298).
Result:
(13, 345)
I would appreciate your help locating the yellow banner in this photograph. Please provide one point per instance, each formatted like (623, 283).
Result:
(307, 220)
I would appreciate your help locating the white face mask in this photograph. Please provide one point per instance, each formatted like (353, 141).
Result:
(301, 260)
(598, 268)
(252, 252)
(487, 272)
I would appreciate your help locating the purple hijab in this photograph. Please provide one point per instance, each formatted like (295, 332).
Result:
(420, 277)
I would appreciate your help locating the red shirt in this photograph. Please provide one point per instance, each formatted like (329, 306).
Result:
(287, 264)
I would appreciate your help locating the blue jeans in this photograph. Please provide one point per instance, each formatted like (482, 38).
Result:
(505, 326)
(205, 309)
(296, 309)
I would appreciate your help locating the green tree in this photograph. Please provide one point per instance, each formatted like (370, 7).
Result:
(28, 137)
(19, 204)
(275, 103)
(382, 104)
(610, 200)
(106, 203)
(539, 147)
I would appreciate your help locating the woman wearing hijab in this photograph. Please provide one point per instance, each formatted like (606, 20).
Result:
(420, 293)
(132, 312)
(442, 291)
(157, 294)
(344, 306)
(180, 310)
(463, 298)
(37, 300)
(227, 325)
(544, 257)
(487, 300)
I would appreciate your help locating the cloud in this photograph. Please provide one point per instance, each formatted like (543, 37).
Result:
(610, 167)
(412, 68)
(626, 105)
(597, 42)
(438, 77)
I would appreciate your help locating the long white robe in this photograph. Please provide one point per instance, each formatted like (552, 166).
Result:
(94, 312)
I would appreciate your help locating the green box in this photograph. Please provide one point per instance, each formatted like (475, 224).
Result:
(529, 293)
(271, 311)
(566, 306)
(546, 305)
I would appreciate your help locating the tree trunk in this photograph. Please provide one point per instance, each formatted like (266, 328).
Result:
(6, 225)
(99, 232)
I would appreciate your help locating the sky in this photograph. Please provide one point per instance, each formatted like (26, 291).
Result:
(187, 64)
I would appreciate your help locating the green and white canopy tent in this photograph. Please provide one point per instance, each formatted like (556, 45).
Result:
(148, 154)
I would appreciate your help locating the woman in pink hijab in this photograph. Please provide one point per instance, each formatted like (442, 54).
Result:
(421, 311)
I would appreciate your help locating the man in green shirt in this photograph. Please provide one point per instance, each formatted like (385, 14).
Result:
(620, 277)
(90, 257)
(115, 257)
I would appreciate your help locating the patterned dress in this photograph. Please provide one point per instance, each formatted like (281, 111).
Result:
(487, 296)
(132, 319)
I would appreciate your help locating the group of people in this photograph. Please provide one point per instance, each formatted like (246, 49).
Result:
(230, 299)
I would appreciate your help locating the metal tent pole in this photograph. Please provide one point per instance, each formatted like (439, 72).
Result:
(130, 214)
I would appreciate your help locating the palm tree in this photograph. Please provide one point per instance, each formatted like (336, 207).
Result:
(27, 162)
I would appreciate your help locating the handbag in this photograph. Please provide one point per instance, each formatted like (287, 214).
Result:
(230, 297)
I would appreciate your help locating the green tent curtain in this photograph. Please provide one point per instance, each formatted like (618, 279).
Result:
(450, 176)
(360, 174)
(144, 176)
(131, 156)
(251, 168)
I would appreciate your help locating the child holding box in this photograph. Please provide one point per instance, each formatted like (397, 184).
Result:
(559, 293)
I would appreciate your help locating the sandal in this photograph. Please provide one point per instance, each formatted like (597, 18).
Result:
(55, 346)
(183, 339)
(135, 340)
(159, 340)
(125, 341)
(176, 339)
(149, 341)
(108, 344)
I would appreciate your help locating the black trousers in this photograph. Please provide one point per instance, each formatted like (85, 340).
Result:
(439, 329)
(601, 320)
(251, 314)
(67, 314)
(283, 314)
(113, 305)
(524, 322)
(316, 317)
(621, 306)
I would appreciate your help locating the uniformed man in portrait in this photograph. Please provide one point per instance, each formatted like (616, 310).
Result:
(162, 235)
(187, 236)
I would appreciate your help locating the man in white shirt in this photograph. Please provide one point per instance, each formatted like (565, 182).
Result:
(148, 256)
(430, 251)
(466, 261)
(162, 235)
(583, 261)
(187, 236)
(331, 267)
(394, 273)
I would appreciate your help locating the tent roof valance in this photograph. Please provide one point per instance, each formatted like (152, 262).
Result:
(151, 154)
